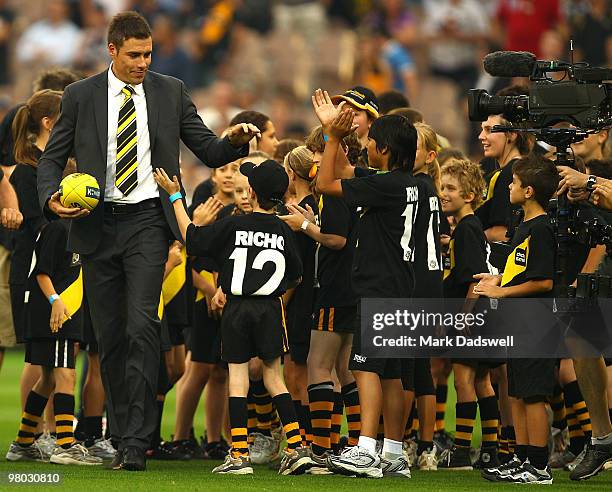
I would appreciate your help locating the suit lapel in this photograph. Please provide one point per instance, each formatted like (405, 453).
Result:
(101, 111)
(152, 107)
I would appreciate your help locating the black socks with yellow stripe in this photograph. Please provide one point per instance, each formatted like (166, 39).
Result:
(489, 420)
(263, 407)
(321, 398)
(441, 395)
(350, 396)
(63, 406)
(286, 412)
(34, 408)
(466, 415)
(238, 415)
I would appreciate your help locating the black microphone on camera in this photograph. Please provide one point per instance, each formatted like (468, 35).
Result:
(509, 63)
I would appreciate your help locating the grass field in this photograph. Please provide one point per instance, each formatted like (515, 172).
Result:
(195, 475)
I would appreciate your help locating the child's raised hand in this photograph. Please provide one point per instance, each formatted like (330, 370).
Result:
(206, 213)
(171, 186)
(59, 314)
(324, 107)
(342, 124)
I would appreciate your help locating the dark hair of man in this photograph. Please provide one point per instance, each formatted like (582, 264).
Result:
(256, 118)
(601, 168)
(56, 79)
(127, 25)
(411, 114)
(398, 137)
(539, 173)
(316, 143)
(392, 99)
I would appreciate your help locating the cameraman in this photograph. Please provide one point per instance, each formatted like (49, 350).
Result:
(591, 372)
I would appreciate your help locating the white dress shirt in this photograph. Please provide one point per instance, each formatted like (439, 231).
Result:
(147, 187)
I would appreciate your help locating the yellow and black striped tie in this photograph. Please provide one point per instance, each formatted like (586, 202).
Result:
(126, 166)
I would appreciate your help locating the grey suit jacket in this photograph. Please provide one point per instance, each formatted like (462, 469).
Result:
(82, 128)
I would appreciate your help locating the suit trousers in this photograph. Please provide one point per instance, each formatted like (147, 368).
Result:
(123, 279)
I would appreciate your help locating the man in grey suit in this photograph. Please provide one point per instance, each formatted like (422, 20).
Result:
(121, 124)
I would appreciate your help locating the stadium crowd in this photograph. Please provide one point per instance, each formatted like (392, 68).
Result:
(382, 189)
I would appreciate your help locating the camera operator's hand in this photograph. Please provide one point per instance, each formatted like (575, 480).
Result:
(571, 179)
(602, 194)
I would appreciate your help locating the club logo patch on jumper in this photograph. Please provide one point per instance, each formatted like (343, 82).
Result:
(76, 259)
(520, 257)
(359, 358)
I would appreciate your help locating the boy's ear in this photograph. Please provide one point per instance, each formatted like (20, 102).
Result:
(384, 151)
(431, 155)
(469, 197)
(529, 192)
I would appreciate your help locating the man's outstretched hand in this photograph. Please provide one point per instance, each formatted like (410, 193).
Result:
(58, 209)
(242, 133)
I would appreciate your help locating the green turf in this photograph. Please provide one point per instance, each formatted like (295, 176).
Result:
(196, 475)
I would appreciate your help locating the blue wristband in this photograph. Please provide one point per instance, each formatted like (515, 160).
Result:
(175, 196)
(53, 298)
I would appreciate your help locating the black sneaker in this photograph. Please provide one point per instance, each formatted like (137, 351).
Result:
(456, 458)
(596, 456)
(443, 440)
(215, 450)
(495, 474)
(487, 459)
(193, 447)
(527, 473)
(168, 451)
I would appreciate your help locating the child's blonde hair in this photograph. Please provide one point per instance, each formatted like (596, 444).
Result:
(469, 176)
(429, 141)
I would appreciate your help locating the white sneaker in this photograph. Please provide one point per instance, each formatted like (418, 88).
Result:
(409, 448)
(46, 442)
(76, 454)
(263, 450)
(428, 461)
(102, 448)
(33, 452)
(397, 467)
(527, 473)
(234, 466)
(356, 461)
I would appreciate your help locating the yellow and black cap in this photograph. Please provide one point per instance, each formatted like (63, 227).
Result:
(360, 97)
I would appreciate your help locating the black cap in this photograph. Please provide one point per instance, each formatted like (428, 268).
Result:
(360, 97)
(269, 179)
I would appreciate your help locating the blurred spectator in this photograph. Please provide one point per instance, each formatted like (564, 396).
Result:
(395, 18)
(50, 41)
(6, 25)
(303, 22)
(454, 29)
(93, 56)
(219, 109)
(394, 29)
(592, 33)
(522, 23)
(552, 47)
(149, 9)
(168, 57)
(372, 69)
(214, 36)
(389, 100)
(112, 7)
